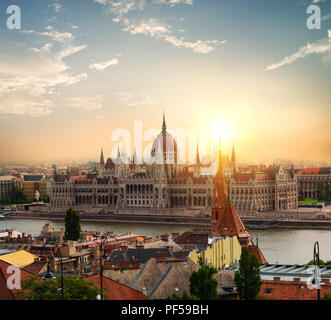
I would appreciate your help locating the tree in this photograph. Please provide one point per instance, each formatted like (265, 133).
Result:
(185, 296)
(321, 262)
(202, 284)
(72, 225)
(247, 278)
(18, 195)
(75, 288)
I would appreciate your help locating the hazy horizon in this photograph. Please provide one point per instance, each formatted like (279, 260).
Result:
(76, 72)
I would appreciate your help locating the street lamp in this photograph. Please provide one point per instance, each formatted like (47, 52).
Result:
(49, 275)
(317, 263)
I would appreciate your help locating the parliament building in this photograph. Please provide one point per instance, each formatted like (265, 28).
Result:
(124, 185)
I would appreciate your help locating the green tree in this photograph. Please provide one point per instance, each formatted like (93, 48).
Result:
(72, 225)
(18, 195)
(321, 262)
(202, 284)
(185, 296)
(247, 278)
(75, 288)
(327, 296)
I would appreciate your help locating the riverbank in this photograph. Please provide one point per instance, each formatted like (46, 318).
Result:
(250, 223)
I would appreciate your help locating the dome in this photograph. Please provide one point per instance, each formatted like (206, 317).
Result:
(165, 143)
(164, 147)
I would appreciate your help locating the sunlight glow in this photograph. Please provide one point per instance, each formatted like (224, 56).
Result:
(220, 130)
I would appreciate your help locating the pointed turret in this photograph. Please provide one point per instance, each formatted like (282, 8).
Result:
(118, 160)
(219, 194)
(102, 160)
(198, 157)
(164, 126)
(134, 158)
(233, 160)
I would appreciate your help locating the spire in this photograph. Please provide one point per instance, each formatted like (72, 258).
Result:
(233, 157)
(198, 157)
(134, 158)
(118, 160)
(233, 160)
(164, 126)
(219, 194)
(102, 160)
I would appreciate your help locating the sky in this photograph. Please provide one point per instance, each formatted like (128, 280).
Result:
(78, 73)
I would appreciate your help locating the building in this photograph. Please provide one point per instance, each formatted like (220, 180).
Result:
(225, 219)
(218, 253)
(310, 179)
(272, 188)
(7, 184)
(34, 184)
(20, 258)
(122, 184)
(289, 282)
(164, 186)
(5, 292)
(115, 290)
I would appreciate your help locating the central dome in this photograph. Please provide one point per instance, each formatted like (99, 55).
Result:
(164, 147)
(164, 142)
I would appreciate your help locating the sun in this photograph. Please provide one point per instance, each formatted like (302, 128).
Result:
(220, 130)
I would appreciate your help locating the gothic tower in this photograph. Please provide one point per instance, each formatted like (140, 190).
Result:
(102, 160)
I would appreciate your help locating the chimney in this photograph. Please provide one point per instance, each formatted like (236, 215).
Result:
(148, 239)
(165, 237)
(276, 278)
(135, 263)
(296, 280)
(124, 263)
(160, 256)
(124, 248)
(181, 255)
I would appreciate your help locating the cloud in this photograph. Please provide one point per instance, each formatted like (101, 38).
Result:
(30, 79)
(54, 35)
(172, 3)
(132, 100)
(86, 103)
(57, 7)
(24, 104)
(122, 11)
(157, 29)
(326, 17)
(319, 47)
(103, 65)
(45, 48)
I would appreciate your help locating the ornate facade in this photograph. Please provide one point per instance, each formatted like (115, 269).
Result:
(124, 185)
(273, 188)
(310, 180)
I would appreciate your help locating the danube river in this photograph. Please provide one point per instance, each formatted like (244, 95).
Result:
(286, 246)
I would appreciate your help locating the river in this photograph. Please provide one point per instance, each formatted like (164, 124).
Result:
(284, 246)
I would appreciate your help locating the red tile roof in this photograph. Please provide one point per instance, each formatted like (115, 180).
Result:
(5, 292)
(193, 237)
(115, 290)
(309, 171)
(290, 290)
(35, 267)
(230, 224)
(253, 249)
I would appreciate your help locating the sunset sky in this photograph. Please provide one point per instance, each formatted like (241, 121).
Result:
(78, 70)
